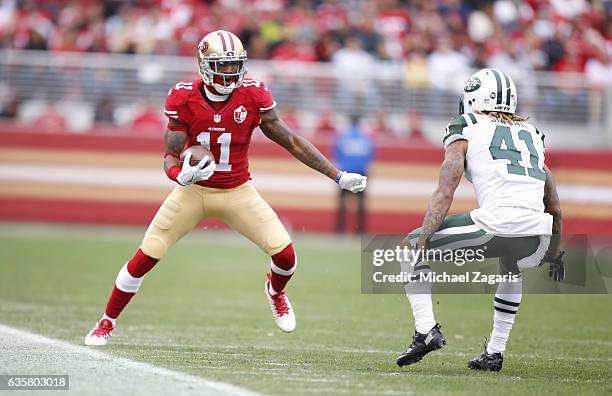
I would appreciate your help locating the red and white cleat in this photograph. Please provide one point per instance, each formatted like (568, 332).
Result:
(101, 334)
(282, 312)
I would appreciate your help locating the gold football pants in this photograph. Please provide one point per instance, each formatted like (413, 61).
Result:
(241, 208)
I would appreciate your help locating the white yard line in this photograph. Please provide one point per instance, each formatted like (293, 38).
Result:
(93, 372)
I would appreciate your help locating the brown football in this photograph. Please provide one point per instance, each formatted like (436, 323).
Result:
(197, 153)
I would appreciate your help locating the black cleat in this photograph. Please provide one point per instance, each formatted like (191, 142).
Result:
(487, 362)
(421, 345)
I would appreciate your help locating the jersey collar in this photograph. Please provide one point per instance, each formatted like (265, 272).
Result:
(214, 97)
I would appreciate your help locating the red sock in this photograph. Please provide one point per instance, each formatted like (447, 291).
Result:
(140, 264)
(137, 267)
(282, 268)
(117, 301)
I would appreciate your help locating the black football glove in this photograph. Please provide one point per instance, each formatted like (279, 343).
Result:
(556, 269)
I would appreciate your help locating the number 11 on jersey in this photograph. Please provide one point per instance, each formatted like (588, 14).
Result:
(224, 140)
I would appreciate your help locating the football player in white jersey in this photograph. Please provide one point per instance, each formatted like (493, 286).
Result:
(518, 219)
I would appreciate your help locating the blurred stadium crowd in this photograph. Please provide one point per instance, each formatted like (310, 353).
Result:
(435, 42)
(559, 35)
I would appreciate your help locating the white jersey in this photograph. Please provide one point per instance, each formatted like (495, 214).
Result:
(505, 165)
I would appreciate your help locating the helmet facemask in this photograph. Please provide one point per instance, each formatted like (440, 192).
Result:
(222, 61)
(212, 70)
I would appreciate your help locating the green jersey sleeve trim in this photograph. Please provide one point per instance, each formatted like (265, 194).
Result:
(455, 127)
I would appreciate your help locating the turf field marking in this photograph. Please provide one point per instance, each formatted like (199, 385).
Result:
(92, 370)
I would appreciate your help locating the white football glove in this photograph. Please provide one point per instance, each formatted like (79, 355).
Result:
(354, 182)
(192, 174)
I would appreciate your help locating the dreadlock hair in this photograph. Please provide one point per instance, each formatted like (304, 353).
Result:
(504, 117)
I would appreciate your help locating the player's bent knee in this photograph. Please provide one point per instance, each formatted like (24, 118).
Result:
(276, 246)
(276, 238)
(154, 247)
(536, 257)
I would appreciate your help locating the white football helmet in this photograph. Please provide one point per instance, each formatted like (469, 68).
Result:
(214, 50)
(489, 90)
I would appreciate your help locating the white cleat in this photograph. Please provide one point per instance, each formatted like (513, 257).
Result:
(101, 334)
(282, 312)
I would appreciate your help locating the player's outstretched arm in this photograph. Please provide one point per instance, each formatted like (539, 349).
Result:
(552, 205)
(276, 130)
(442, 198)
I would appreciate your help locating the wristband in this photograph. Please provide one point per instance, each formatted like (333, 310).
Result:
(173, 172)
(338, 176)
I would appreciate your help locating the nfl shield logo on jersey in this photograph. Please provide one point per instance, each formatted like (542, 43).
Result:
(240, 114)
(217, 117)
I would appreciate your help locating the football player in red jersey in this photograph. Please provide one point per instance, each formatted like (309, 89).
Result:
(220, 111)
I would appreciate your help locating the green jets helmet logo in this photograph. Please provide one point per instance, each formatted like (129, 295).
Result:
(472, 85)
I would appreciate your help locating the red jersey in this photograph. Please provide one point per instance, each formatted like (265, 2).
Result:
(226, 132)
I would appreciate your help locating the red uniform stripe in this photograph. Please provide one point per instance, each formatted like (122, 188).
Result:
(223, 41)
(285, 260)
(231, 41)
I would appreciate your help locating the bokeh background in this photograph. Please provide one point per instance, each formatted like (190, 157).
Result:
(82, 86)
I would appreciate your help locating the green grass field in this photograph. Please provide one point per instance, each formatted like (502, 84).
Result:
(202, 311)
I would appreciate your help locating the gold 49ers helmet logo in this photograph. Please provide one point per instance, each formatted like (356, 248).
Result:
(240, 114)
(203, 47)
